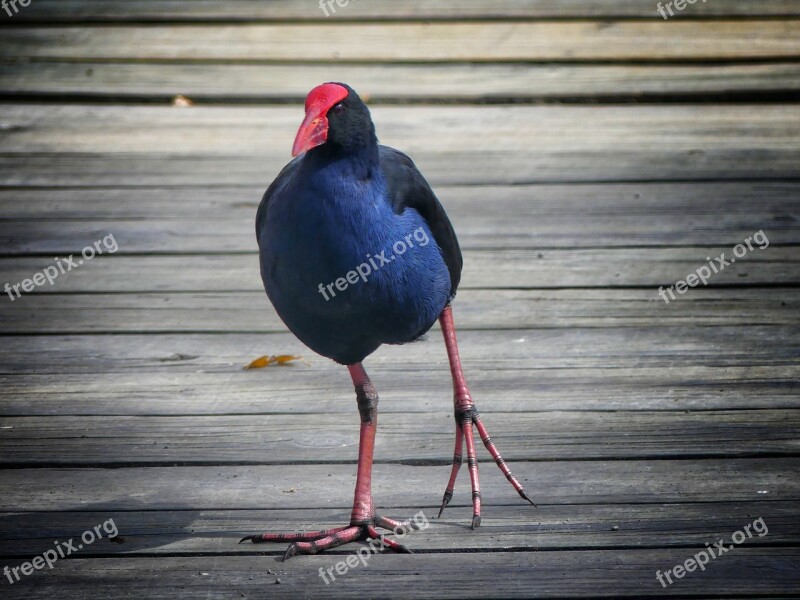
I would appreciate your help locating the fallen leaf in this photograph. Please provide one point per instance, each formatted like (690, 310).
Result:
(182, 101)
(266, 361)
(286, 358)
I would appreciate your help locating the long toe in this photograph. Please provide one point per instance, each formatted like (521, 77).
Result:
(498, 459)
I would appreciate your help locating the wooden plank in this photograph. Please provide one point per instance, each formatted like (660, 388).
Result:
(393, 82)
(240, 10)
(458, 41)
(625, 573)
(698, 199)
(769, 203)
(240, 131)
(507, 229)
(504, 228)
(772, 160)
(80, 145)
(406, 438)
(245, 312)
(609, 348)
(679, 386)
(417, 487)
(191, 220)
(512, 527)
(483, 269)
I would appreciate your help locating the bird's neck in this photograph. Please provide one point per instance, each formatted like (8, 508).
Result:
(360, 161)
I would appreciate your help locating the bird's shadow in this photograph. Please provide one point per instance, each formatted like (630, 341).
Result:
(104, 530)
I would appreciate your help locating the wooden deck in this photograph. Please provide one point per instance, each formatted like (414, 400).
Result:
(588, 152)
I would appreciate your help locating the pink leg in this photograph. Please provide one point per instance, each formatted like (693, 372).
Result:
(363, 519)
(466, 416)
(457, 460)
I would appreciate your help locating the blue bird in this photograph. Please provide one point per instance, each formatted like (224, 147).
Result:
(356, 251)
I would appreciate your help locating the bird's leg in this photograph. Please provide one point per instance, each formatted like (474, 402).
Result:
(367, 398)
(363, 519)
(466, 416)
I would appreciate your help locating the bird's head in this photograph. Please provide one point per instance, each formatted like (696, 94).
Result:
(335, 116)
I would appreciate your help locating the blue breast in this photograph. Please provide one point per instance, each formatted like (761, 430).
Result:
(344, 272)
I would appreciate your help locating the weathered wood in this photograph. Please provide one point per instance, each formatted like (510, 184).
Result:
(643, 430)
(459, 41)
(483, 269)
(747, 570)
(511, 527)
(507, 229)
(769, 204)
(417, 487)
(267, 132)
(79, 170)
(394, 82)
(567, 216)
(250, 10)
(245, 312)
(324, 388)
(292, 439)
(80, 145)
(609, 348)
(611, 163)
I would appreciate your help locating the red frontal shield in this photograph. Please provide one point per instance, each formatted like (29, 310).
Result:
(314, 129)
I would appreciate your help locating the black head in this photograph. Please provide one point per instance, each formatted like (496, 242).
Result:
(336, 117)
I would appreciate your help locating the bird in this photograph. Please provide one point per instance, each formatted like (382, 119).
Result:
(356, 251)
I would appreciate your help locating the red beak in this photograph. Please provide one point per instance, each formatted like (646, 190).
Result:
(314, 130)
(312, 133)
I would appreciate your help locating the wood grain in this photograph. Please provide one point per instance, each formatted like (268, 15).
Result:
(706, 203)
(198, 220)
(525, 575)
(415, 487)
(267, 132)
(81, 144)
(488, 41)
(511, 527)
(324, 389)
(291, 439)
(209, 82)
(247, 312)
(598, 348)
(484, 269)
(249, 10)
(644, 430)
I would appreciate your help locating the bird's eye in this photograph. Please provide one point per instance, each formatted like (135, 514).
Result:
(338, 109)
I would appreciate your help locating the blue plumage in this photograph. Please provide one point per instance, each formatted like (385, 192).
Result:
(330, 215)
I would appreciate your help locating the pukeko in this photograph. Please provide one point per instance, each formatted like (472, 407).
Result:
(356, 251)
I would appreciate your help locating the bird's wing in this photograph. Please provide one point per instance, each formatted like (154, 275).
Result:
(277, 184)
(407, 188)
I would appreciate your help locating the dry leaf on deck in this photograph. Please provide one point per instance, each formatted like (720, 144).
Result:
(182, 101)
(266, 361)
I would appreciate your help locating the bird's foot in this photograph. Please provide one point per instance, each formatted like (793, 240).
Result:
(312, 542)
(465, 419)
